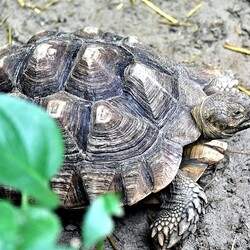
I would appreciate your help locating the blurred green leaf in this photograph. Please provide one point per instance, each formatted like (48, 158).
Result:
(31, 228)
(39, 229)
(31, 149)
(8, 226)
(112, 204)
(98, 223)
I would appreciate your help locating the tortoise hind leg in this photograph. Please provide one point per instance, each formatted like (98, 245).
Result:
(184, 200)
(224, 82)
(211, 79)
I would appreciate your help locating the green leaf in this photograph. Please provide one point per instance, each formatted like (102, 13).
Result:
(112, 204)
(98, 221)
(8, 226)
(39, 228)
(31, 148)
(31, 228)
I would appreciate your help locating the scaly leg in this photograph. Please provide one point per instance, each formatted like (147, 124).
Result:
(179, 213)
(211, 79)
(184, 200)
(224, 82)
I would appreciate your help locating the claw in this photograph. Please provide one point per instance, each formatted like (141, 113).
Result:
(203, 196)
(183, 226)
(161, 238)
(166, 230)
(190, 213)
(154, 231)
(196, 189)
(173, 240)
(171, 226)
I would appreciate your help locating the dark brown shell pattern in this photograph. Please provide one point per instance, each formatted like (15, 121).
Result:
(123, 109)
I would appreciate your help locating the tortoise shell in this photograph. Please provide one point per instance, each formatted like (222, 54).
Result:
(123, 109)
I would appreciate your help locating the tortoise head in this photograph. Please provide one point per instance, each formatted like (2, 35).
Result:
(223, 114)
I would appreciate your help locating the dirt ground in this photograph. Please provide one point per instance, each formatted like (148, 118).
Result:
(226, 224)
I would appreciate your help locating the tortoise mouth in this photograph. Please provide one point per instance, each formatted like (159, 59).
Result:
(241, 125)
(244, 124)
(227, 131)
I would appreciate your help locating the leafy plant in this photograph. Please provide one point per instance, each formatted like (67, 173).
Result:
(98, 222)
(31, 152)
(31, 149)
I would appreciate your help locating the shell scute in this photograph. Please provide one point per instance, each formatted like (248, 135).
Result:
(42, 35)
(137, 180)
(6, 84)
(48, 67)
(67, 184)
(147, 88)
(145, 53)
(164, 160)
(100, 177)
(12, 61)
(97, 72)
(95, 34)
(73, 116)
(117, 135)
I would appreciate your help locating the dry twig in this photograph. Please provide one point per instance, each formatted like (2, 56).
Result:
(3, 20)
(244, 90)
(37, 8)
(160, 12)
(236, 48)
(9, 35)
(112, 242)
(233, 244)
(195, 9)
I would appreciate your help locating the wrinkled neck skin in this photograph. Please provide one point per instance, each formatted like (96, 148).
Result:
(207, 129)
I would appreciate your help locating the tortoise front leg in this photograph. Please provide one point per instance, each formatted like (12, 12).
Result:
(184, 200)
(180, 212)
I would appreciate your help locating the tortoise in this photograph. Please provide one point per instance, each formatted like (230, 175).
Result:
(133, 121)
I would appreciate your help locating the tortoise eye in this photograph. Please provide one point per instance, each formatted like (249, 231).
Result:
(238, 113)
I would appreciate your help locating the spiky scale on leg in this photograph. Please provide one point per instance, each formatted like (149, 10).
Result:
(179, 213)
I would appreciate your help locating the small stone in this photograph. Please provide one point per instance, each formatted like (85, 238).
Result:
(75, 243)
(70, 227)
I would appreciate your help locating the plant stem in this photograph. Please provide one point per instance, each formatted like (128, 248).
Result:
(100, 245)
(25, 200)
